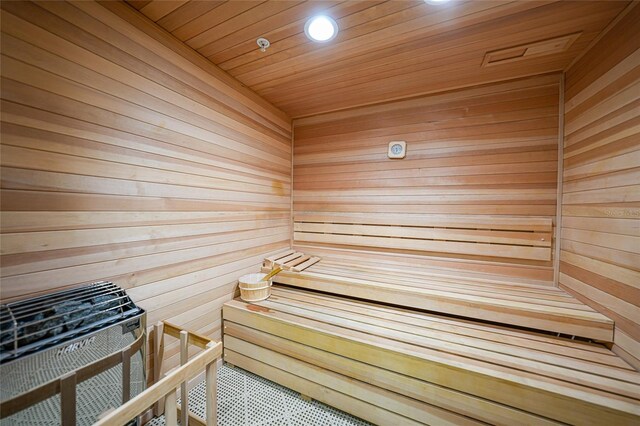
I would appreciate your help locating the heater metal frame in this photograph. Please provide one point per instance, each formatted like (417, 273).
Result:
(61, 349)
(66, 385)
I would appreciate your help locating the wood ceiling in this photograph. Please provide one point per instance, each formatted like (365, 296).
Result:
(384, 50)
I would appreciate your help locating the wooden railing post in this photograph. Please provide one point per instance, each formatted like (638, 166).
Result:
(126, 374)
(170, 409)
(184, 392)
(211, 391)
(158, 355)
(68, 399)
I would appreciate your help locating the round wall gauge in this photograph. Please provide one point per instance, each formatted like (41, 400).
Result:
(397, 149)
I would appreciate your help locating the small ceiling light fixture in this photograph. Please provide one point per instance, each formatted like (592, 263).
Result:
(436, 1)
(321, 28)
(263, 43)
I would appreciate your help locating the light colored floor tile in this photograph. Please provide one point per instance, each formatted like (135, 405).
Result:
(245, 399)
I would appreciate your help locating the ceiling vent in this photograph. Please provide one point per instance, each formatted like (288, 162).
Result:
(530, 50)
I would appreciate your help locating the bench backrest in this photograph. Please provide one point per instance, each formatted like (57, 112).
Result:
(517, 238)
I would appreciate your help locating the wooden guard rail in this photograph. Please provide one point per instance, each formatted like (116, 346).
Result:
(165, 387)
(66, 385)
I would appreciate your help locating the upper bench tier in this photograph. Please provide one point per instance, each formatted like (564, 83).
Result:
(538, 307)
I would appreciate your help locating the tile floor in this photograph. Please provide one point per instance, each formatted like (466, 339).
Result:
(245, 399)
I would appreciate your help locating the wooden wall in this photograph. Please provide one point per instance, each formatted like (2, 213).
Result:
(600, 244)
(128, 157)
(486, 152)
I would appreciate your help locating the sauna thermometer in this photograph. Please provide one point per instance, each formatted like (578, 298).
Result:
(397, 149)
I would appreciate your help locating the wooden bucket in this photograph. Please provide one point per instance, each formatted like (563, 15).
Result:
(254, 290)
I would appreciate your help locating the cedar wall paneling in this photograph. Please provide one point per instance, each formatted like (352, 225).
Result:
(600, 242)
(127, 157)
(485, 152)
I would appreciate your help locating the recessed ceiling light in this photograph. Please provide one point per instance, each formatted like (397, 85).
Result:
(436, 1)
(321, 28)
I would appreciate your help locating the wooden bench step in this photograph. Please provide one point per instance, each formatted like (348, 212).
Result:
(544, 308)
(458, 370)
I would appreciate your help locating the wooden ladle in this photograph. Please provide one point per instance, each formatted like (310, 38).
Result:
(272, 274)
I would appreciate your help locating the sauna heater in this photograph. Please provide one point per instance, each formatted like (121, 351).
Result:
(93, 336)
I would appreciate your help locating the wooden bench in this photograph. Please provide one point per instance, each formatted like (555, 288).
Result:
(472, 295)
(395, 366)
(527, 238)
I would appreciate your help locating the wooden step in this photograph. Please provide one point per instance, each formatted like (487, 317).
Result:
(544, 308)
(457, 371)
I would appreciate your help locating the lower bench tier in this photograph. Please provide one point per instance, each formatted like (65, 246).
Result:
(393, 366)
